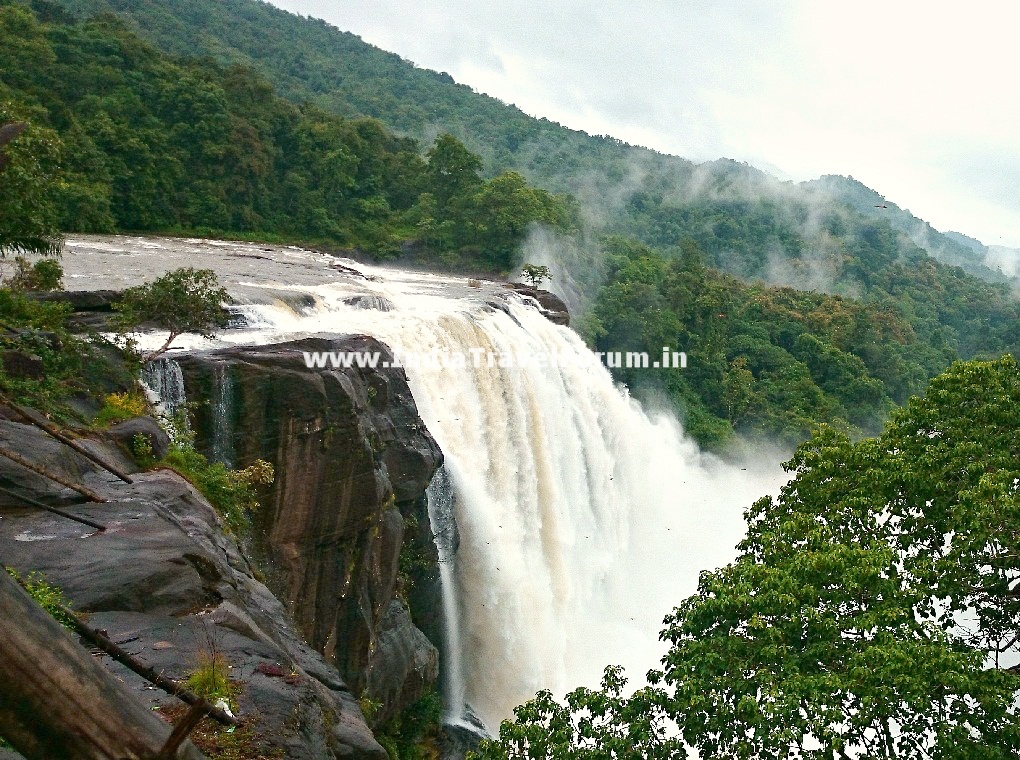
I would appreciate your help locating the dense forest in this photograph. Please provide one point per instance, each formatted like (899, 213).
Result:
(794, 309)
(771, 361)
(148, 142)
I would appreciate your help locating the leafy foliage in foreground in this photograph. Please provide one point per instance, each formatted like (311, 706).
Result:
(871, 610)
(592, 723)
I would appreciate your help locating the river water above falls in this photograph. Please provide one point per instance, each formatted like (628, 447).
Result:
(582, 518)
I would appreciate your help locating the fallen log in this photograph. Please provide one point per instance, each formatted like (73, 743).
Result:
(54, 510)
(169, 685)
(88, 493)
(65, 439)
(57, 701)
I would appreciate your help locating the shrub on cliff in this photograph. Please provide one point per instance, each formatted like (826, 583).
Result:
(231, 492)
(183, 301)
(43, 363)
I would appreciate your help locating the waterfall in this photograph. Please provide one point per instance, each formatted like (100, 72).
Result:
(164, 384)
(442, 519)
(581, 517)
(222, 444)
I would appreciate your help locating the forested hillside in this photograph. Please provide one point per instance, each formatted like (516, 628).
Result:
(796, 304)
(772, 362)
(624, 189)
(149, 142)
(310, 60)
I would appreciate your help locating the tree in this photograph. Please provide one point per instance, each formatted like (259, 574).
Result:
(28, 178)
(185, 300)
(535, 274)
(874, 604)
(503, 210)
(44, 275)
(738, 392)
(453, 171)
(593, 723)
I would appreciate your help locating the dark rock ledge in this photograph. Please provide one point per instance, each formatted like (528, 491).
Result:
(551, 305)
(167, 584)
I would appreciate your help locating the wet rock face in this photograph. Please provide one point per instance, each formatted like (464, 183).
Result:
(352, 461)
(406, 664)
(127, 434)
(168, 585)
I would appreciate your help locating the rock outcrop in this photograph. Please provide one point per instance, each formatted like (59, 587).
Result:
(344, 532)
(170, 586)
(551, 305)
(92, 309)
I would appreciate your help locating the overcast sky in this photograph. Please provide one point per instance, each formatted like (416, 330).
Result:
(917, 99)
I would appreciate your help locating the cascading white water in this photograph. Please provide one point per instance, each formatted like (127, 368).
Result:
(444, 527)
(165, 383)
(582, 519)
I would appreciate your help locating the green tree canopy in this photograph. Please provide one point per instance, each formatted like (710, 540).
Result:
(454, 172)
(592, 724)
(29, 179)
(535, 274)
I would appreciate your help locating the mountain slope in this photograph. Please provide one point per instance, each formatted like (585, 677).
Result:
(308, 59)
(950, 248)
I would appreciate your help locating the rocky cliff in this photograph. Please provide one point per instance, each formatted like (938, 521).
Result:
(344, 533)
(167, 584)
